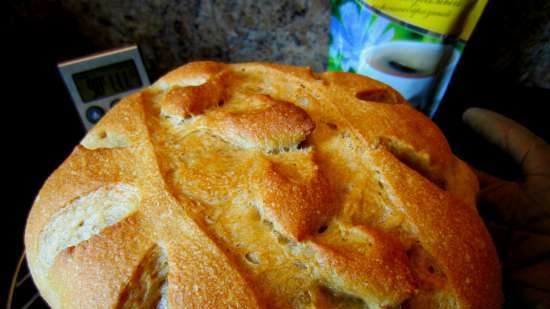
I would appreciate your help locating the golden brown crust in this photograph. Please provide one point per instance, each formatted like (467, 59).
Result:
(368, 264)
(276, 125)
(187, 101)
(297, 208)
(262, 186)
(79, 276)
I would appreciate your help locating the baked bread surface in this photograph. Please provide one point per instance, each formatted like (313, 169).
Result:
(262, 186)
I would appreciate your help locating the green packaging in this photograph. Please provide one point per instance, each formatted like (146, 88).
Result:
(412, 45)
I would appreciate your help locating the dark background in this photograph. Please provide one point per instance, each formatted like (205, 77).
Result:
(506, 67)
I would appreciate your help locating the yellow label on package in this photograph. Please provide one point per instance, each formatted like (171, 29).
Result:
(412, 45)
(447, 17)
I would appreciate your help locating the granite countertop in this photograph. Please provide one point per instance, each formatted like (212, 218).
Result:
(171, 32)
(174, 32)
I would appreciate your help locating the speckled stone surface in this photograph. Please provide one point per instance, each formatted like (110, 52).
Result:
(174, 32)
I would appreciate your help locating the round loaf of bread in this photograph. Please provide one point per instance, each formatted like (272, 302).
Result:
(262, 186)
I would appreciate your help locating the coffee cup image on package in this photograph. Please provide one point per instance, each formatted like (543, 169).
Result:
(412, 45)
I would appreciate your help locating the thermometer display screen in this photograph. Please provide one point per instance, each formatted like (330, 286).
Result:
(107, 80)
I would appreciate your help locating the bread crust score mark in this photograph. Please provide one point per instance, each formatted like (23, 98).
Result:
(262, 186)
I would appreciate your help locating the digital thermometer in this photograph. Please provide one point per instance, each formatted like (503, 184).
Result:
(98, 81)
